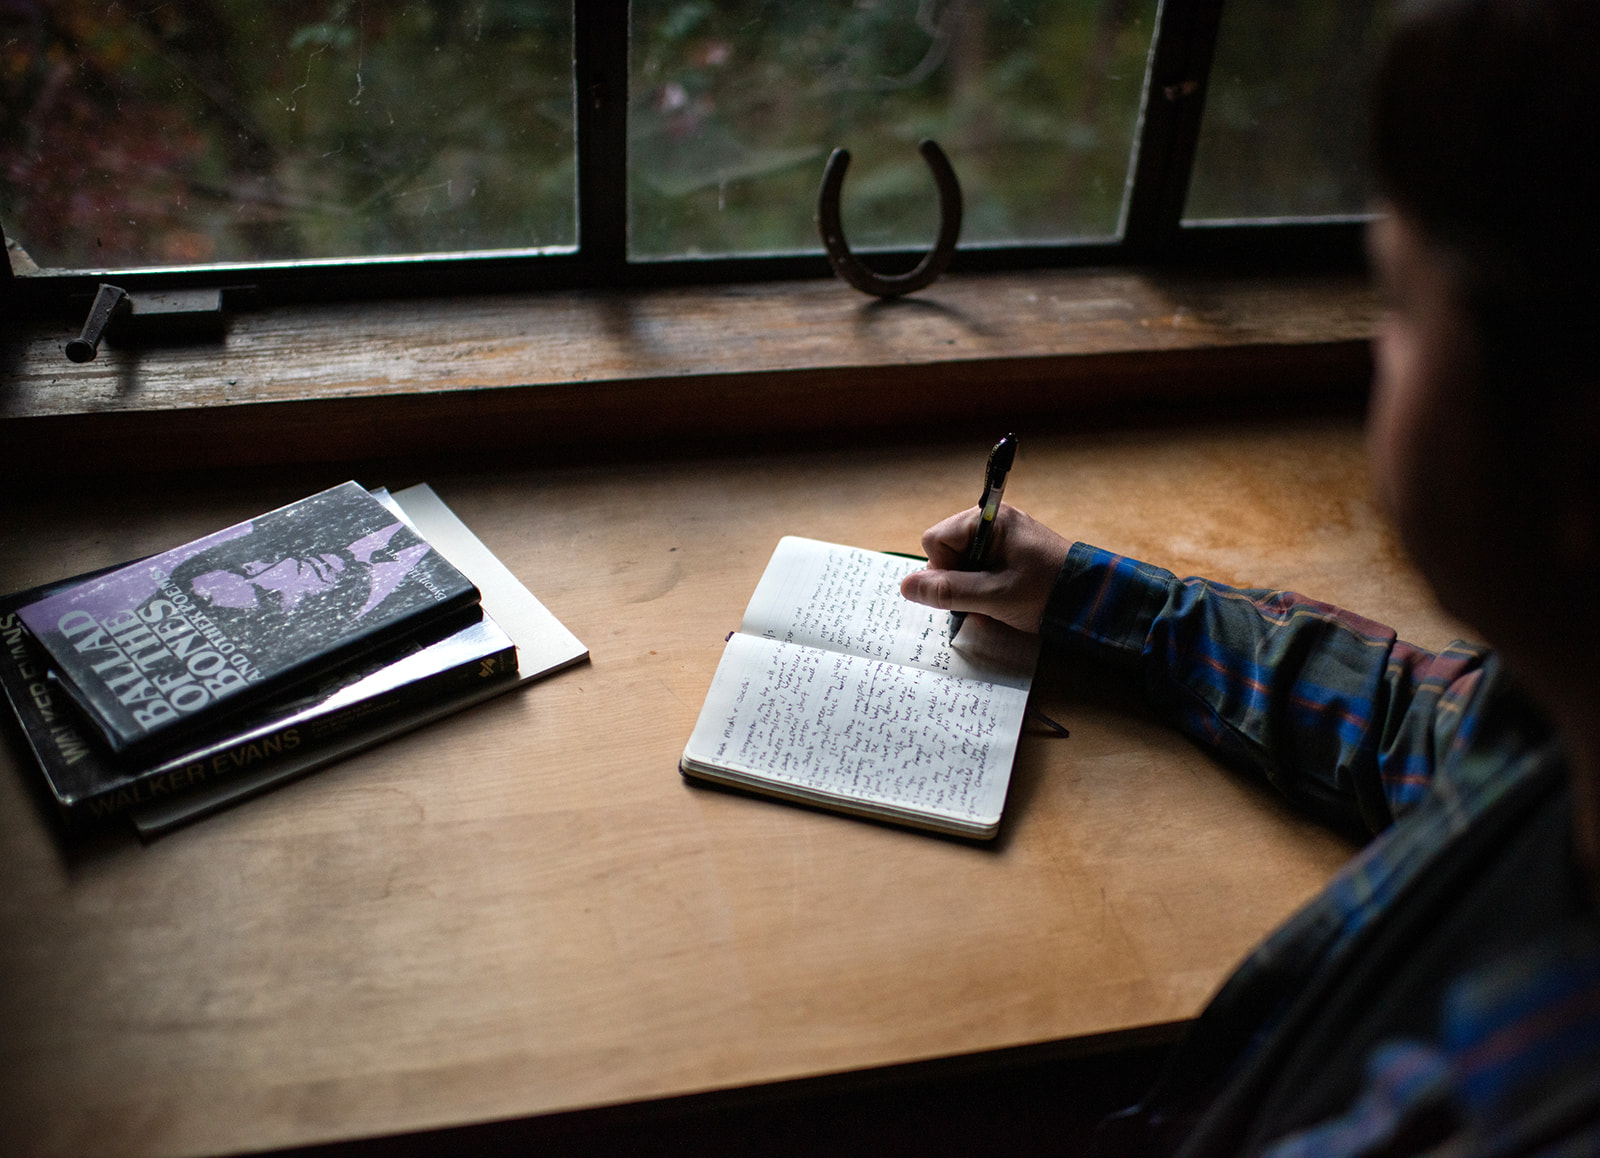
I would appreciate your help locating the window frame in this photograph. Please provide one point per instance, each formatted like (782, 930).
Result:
(1173, 104)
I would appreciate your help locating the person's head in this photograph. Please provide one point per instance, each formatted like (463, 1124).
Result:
(1487, 399)
(283, 582)
(280, 582)
(306, 585)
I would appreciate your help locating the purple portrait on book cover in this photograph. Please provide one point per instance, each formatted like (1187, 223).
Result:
(229, 572)
(281, 593)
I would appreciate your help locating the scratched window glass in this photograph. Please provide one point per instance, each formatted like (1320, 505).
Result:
(1285, 129)
(152, 133)
(734, 106)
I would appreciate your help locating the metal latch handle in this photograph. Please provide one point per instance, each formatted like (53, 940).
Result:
(108, 303)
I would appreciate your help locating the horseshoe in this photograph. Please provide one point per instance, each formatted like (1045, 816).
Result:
(850, 267)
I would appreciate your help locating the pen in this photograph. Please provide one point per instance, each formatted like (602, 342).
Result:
(994, 488)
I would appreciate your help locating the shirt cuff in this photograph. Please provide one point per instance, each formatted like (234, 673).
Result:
(1105, 604)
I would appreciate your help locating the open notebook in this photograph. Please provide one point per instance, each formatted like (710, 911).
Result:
(836, 691)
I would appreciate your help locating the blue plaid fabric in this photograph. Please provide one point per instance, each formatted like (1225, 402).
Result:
(1421, 749)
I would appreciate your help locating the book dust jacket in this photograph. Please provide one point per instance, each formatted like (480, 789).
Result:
(151, 649)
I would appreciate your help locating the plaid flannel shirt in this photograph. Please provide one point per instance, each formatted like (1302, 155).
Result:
(1426, 750)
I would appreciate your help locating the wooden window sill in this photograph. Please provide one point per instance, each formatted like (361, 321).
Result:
(538, 373)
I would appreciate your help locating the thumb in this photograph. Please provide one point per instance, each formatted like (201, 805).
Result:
(947, 590)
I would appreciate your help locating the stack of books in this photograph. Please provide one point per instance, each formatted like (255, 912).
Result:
(167, 688)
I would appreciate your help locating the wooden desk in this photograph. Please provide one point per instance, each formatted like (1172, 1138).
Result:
(524, 909)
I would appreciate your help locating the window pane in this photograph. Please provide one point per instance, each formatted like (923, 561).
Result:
(735, 105)
(163, 132)
(1284, 133)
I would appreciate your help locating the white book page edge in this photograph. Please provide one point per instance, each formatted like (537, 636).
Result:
(543, 642)
(544, 645)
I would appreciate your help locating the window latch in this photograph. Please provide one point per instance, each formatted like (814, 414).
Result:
(185, 315)
(108, 303)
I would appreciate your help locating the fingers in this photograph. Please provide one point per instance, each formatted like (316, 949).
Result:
(951, 590)
(945, 543)
(930, 588)
(1024, 559)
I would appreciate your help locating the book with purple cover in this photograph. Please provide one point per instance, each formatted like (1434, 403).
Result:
(297, 728)
(162, 647)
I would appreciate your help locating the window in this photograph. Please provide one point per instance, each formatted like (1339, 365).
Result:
(734, 108)
(228, 132)
(1285, 122)
(347, 147)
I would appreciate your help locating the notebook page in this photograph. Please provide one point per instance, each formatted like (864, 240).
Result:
(861, 730)
(846, 599)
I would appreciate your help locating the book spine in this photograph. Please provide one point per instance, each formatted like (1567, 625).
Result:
(260, 752)
(59, 743)
(49, 726)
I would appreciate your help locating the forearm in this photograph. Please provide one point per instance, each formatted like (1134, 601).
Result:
(1332, 708)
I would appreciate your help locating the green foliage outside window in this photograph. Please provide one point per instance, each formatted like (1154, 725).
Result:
(195, 131)
(1285, 123)
(178, 132)
(735, 106)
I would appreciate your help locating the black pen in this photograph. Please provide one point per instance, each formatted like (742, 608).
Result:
(994, 488)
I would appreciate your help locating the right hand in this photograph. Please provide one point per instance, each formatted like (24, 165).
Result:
(1024, 559)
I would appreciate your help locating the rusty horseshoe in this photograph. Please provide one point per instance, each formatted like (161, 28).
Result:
(850, 267)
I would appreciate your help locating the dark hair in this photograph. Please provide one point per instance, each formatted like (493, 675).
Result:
(317, 614)
(1485, 136)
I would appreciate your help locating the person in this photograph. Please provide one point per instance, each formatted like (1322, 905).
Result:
(1442, 995)
(367, 567)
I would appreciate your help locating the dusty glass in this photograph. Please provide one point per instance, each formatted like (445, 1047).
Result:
(148, 133)
(734, 106)
(1285, 125)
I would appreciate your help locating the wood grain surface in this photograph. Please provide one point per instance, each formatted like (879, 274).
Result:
(524, 908)
(539, 373)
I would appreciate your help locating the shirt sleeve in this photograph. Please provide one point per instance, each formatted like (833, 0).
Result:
(1343, 717)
